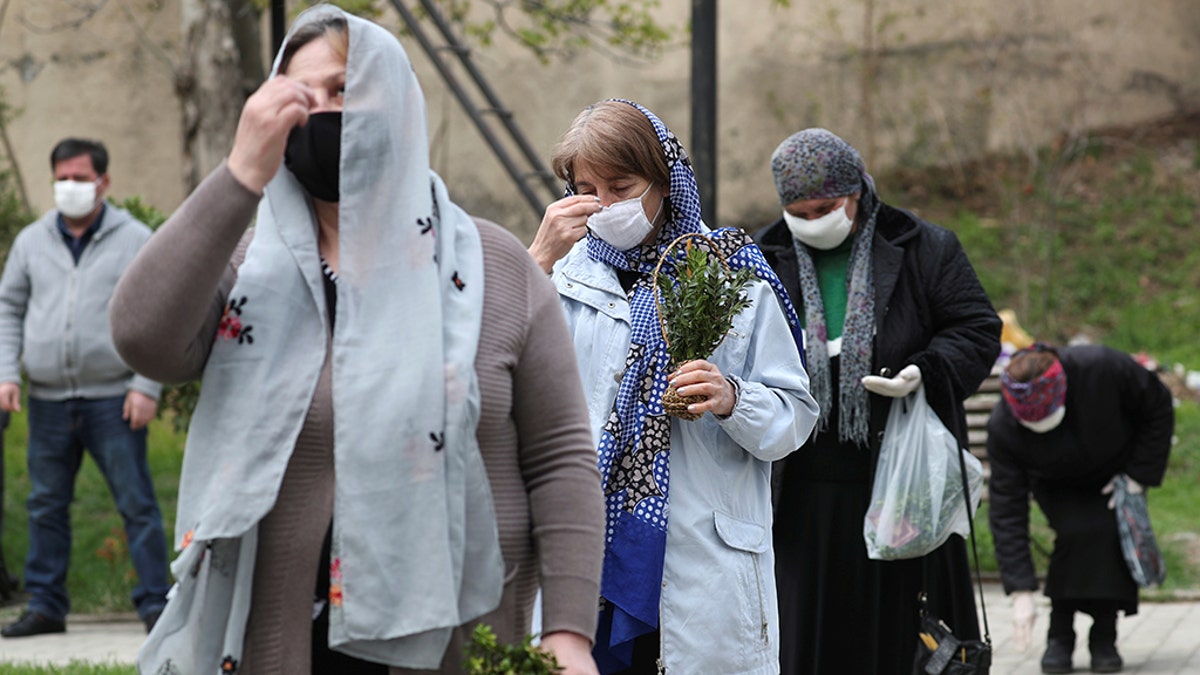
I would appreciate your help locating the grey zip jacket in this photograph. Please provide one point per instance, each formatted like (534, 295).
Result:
(54, 313)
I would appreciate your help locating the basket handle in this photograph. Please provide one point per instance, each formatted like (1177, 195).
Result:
(710, 248)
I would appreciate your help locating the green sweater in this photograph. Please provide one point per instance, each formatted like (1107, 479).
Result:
(832, 267)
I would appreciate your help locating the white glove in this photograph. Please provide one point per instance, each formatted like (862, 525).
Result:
(1022, 619)
(904, 383)
(1131, 486)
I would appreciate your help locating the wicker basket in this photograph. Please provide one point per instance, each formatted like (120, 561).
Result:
(674, 404)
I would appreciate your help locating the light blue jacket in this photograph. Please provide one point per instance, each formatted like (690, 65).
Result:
(718, 610)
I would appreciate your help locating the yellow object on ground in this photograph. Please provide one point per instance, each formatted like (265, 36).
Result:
(1012, 333)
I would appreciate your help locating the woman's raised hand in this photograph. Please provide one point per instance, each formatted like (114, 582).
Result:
(269, 115)
(564, 224)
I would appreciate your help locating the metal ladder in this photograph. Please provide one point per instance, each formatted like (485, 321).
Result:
(535, 173)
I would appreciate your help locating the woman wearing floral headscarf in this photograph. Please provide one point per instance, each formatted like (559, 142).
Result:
(377, 367)
(889, 302)
(688, 580)
(1075, 421)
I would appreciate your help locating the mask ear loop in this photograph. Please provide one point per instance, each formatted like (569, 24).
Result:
(661, 203)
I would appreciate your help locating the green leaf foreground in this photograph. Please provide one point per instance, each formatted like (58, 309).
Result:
(699, 301)
(486, 655)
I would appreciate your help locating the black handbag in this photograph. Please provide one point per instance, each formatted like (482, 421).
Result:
(938, 650)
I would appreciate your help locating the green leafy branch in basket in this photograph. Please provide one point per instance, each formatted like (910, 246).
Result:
(486, 655)
(699, 303)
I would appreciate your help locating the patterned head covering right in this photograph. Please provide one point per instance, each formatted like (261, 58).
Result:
(1038, 398)
(817, 164)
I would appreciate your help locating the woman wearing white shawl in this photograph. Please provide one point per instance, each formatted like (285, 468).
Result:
(371, 358)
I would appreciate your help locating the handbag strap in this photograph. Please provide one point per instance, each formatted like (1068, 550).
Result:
(962, 465)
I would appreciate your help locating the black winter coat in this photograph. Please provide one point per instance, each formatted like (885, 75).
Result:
(1119, 419)
(930, 310)
(841, 612)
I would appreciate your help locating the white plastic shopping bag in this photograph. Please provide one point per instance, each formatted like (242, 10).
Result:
(917, 498)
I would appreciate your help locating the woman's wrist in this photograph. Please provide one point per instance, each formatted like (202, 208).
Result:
(735, 395)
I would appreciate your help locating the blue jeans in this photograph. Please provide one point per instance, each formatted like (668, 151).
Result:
(59, 432)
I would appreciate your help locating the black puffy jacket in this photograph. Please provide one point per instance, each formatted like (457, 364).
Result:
(930, 310)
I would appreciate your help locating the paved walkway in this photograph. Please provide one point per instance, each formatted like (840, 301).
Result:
(1163, 638)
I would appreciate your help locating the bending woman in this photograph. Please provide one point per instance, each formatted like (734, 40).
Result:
(376, 369)
(688, 582)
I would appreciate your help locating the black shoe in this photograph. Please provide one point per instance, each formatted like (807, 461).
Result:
(10, 591)
(10, 586)
(150, 619)
(1105, 659)
(33, 623)
(1057, 658)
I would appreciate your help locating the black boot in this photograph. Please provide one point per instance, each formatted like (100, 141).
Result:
(1102, 639)
(1105, 659)
(1057, 658)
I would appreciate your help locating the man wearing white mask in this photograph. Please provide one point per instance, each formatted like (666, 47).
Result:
(889, 303)
(54, 297)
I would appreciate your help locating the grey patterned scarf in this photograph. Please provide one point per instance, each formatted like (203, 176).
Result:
(817, 164)
(854, 411)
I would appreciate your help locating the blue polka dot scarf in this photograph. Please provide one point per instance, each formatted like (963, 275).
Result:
(634, 449)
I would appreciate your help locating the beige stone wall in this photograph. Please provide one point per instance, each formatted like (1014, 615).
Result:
(108, 78)
(948, 81)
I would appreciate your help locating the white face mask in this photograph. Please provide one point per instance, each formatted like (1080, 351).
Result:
(623, 224)
(1047, 423)
(825, 233)
(74, 199)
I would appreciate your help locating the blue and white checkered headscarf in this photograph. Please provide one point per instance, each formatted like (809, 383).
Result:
(634, 444)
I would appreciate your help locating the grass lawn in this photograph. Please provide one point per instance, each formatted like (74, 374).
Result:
(101, 576)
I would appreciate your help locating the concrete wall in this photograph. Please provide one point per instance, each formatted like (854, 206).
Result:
(932, 82)
(107, 77)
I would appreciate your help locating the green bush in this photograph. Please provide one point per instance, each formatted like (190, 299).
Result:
(13, 214)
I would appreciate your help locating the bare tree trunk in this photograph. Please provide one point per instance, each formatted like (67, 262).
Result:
(221, 65)
(12, 157)
(869, 79)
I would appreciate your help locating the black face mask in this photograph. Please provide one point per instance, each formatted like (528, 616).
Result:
(313, 153)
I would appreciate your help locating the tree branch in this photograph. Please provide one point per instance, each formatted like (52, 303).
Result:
(89, 10)
(8, 149)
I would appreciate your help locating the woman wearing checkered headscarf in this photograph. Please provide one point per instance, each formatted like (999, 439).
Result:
(688, 578)
(889, 303)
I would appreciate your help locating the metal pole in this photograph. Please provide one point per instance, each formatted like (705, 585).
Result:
(704, 105)
(278, 25)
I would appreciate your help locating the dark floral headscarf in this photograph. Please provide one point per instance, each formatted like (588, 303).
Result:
(817, 164)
